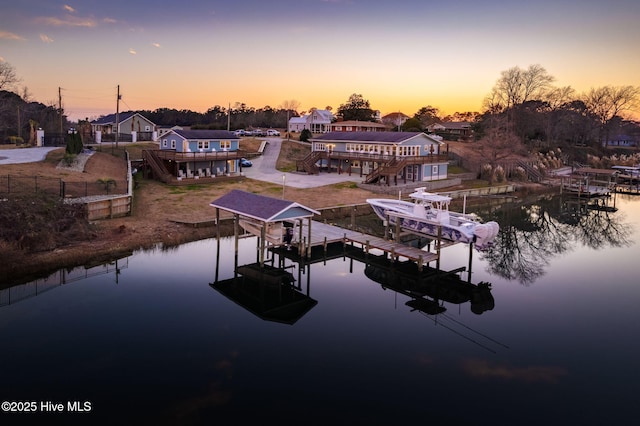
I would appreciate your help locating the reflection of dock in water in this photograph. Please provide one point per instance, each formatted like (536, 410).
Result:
(266, 291)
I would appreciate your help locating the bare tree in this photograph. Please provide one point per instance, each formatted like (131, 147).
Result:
(291, 106)
(609, 102)
(498, 143)
(516, 86)
(8, 77)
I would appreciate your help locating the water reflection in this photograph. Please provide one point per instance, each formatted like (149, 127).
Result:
(533, 234)
(268, 292)
(61, 277)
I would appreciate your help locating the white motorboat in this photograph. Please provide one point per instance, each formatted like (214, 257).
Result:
(428, 212)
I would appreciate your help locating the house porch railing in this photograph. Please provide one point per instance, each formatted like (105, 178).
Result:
(181, 157)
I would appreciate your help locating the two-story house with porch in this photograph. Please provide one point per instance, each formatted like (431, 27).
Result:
(187, 154)
(379, 157)
(317, 121)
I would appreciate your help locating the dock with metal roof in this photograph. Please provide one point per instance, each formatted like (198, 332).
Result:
(263, 217)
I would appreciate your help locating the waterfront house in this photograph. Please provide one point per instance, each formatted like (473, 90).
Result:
(195, 154)
(130, 127)
(378, 156)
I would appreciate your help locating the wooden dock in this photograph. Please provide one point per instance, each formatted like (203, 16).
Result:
(323, 234)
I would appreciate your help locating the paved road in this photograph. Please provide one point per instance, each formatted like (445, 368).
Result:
(24, 155)
(264, 169)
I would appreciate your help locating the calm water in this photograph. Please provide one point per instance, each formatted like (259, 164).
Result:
(156, 342)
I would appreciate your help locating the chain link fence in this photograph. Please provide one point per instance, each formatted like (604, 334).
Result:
(65, 189)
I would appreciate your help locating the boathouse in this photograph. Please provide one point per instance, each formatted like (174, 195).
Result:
(265, 217)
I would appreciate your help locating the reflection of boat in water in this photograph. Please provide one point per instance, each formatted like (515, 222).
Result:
(431, 287)
(267, 292)
(430, 211)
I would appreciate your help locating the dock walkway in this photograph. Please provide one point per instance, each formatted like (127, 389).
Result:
(322, 234)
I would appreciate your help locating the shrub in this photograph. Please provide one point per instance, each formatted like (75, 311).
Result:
(38, 222)
(305, 135)
(519, 174)
(486, 172)
(74, 143)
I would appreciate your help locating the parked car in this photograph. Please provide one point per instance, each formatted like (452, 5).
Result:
(273, 132)
(239, 132)
(259, 132)
(245, 163)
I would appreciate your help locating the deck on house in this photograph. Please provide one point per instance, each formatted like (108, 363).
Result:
(322, 234)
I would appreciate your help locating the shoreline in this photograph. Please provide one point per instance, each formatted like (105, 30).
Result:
(130, 234)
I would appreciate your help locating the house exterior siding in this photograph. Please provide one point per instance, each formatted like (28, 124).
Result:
(361, 151)
(203, 150)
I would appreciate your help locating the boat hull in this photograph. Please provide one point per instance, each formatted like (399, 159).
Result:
(456, 228)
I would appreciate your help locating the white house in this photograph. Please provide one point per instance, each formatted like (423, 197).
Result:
(318, 121)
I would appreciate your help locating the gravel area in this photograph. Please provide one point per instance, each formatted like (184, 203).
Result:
(79, 162)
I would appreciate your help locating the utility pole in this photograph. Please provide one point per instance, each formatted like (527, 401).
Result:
(19, 123)
(118, 116)
(229, 117)
(60, 111)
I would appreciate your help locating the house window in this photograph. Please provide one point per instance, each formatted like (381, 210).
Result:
(349, 128)
(165, 143)
(173, 144)
(434, 171)
(412, 172)
(225, 144)
(203, 144)
(147, 128)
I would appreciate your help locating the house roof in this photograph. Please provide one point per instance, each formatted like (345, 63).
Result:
(455, 125)
(205, 134)
(395, 116)
(123, 116)
(324, 113)
(389, 137)
(265, 209)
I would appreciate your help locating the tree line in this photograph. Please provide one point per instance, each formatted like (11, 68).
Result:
(523, 106)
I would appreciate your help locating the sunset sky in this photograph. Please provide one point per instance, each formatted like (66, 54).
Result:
(400, 55)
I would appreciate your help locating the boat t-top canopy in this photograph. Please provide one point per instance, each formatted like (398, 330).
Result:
(422, 195)
(262, 208)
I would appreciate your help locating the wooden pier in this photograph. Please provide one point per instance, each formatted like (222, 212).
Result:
(323, 234)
